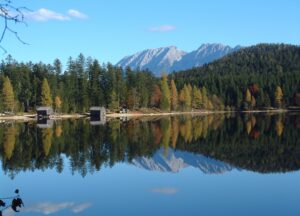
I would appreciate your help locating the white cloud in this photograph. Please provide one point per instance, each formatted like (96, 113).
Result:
(163, 28)
(77, 14)
(81, 207)
(44, 14)
(167, 191)
(47, 208)
(8, 212)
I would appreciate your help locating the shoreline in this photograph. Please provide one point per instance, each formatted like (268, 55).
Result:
(33, 117)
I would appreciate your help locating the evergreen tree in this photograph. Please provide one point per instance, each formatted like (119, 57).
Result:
(165, 94)
(95, 90)
(114, 102)
(8, 95)
(46, 98)
(174, 95)
(132, 100)
(82, 84)
(267, 100)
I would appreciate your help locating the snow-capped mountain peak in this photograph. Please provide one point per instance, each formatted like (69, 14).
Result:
(156, 60)
(168, 59)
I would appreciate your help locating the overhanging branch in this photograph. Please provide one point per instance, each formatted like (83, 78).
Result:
(11, 14)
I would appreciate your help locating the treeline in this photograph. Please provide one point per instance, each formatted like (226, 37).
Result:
(261, 76)
(86, 83)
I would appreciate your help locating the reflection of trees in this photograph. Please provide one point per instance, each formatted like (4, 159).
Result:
(279, 125)
(9, 140)
(174, 131)
(250, 124)
(91, 147)
(186, 130)
(263, 150)
(46, 140)
(157, 132)
(58, 131)
(166, 128)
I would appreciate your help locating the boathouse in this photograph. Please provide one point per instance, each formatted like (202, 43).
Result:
(97, 115)
(98, 112)
(44, 112)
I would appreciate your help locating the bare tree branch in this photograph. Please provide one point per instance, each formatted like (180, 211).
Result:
(11, 14)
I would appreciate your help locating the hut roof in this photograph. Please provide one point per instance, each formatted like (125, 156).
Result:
(44, 108)
(95, 108)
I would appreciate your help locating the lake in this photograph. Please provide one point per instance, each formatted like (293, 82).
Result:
(186, 165)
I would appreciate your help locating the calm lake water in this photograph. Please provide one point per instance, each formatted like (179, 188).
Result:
(201, 165)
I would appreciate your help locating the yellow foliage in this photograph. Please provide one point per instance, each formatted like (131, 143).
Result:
(174, 95)
(279, 127)
(248, 96)
(174, 132)
(205, 127)
(197, 127)
(248, 126)
(9, 141)
(58, 131)
(47, 140)
(278, 96)
(57, 102)
(253, 121)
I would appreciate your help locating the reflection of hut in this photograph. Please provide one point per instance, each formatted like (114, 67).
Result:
(44, 112)
(97, 121)
(97, 115)
(44, 123)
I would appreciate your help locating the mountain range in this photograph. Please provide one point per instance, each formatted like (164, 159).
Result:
(174, 161)
(169, 59)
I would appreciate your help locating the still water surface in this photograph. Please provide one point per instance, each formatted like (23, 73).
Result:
(203, 165)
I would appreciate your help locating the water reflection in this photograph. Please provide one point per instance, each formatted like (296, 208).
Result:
(211, 143)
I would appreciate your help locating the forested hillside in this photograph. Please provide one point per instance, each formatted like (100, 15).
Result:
(86, 82)
(259, 76)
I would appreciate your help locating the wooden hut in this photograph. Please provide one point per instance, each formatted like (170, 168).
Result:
(97, 115)
(44, 112)
(98, 112)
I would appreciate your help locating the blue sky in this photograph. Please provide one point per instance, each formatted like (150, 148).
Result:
(110, 30)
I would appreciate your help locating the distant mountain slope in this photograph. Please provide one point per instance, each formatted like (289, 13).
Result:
(206, 53)
(258, 59)
(265, 66)
(175, 161)
(155, 60)
(168, 59)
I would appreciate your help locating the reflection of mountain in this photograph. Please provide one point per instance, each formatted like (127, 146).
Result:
(174, 161)
(260, 143)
